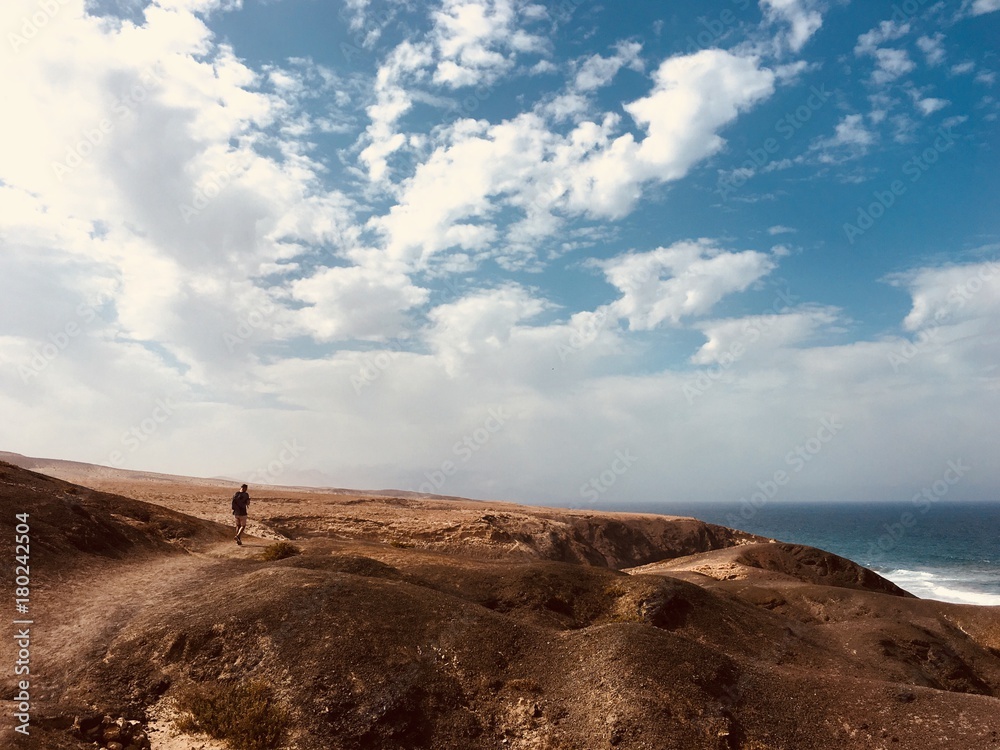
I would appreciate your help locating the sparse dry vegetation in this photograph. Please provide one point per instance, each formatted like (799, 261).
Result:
(245, 715)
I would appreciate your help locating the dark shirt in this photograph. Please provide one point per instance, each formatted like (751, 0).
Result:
(241, 501)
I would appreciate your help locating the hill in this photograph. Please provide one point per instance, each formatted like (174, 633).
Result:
(409, 622)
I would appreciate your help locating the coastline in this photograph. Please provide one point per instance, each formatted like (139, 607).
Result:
(950, 554)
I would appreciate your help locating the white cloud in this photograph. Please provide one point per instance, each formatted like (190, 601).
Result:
(447, 202)
(758, 337)
(981, 7)
(354, 302)
(887, 31)
(480, 324)
(930, 105)
(684, 280)
(597, 71)
(803, 17)
(471, 43)
(890, 64)
(478, 40)
(452, 195)
(933, 48)
(569, 106)
(850, 140)
(852, 132)
(146, 153)
(693, 97)
(392, 101)
(952, 294)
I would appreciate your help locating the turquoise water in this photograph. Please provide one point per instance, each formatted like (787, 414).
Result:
(944, 551)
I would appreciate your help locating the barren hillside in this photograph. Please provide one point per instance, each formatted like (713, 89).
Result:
(437, 623)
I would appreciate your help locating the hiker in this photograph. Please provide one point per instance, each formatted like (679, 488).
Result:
(241, 502)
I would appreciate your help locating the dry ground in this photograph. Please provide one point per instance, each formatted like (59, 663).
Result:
(411, 622)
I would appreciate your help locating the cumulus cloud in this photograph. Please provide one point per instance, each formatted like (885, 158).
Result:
(952, 294)
(982, 7)
(144, 159)
(759, 337)
(850, 140)
(685, 280)
(592, 171)
(597, 71)
(392, 100)
(933, 48)
(480, 323)
(693, 97)
(355, 302)
(478, 40)
(446, 203)
(891, 64)
(886, 31)
(802, 16)
(929, 105)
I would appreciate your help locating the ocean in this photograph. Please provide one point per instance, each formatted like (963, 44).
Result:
(944, 551)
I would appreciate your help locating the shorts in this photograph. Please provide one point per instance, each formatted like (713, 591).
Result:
(241, 520)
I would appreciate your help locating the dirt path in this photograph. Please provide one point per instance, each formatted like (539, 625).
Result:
(77, 615)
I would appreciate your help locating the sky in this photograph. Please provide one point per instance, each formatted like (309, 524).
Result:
(572, 253)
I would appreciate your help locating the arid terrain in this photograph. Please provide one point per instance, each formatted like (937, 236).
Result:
(442, 623)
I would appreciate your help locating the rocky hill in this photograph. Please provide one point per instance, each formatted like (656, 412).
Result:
(404, 622)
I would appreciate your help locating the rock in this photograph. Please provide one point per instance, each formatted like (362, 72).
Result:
(86, 727)
(112, 733)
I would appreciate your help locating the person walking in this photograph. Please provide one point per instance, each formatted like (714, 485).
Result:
(241, 504)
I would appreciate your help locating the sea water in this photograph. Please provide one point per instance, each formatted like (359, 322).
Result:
(944, 551)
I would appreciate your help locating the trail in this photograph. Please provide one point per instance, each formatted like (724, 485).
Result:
(77, 615)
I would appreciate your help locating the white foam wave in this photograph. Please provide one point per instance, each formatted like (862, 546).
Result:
(930, 585)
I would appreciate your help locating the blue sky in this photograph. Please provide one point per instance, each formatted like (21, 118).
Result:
(561, 253)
